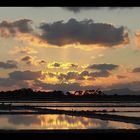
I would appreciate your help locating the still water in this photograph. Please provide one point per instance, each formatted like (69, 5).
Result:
(59, 122)
(74, 104)
(51, 121)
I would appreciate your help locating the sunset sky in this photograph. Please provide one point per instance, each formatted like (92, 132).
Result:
(69, 48)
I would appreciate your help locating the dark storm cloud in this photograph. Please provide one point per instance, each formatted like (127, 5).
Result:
(25, 75)
(103, 67)
(12, 28)
(58, 33)
(10, 64)
(136, 69)
(84, 32)
(78, 9)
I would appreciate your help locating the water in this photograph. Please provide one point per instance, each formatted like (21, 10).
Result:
(51, 121)
(130, 114)
(73, 104)
(59, 122)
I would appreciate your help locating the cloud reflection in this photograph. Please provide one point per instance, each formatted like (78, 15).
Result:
(60, 122)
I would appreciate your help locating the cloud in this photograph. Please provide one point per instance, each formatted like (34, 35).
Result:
(78, 9)
(61, 86)
(37, 84)
(121, 76)
(25, 75)
(103, 70)
(135, 70)
(74, 65)
(103, 67)
(85, 32)
(20, 79)
(102, 73)
(23, 50)
(27, 59)
(94, 75)
(8, 28)
(10, 64)
(72, 33)
(74, 75)
(8, 82)
(30, 60)
(62, 65)
(56, 65)
(34, 79)
(134, 85)
(68, 76)
(41, 62)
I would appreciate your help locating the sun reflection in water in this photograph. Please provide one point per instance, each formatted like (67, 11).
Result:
(65, 122)
(60, 122)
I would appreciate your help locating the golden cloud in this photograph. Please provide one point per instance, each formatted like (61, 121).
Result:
(23, 50)
(62, 65)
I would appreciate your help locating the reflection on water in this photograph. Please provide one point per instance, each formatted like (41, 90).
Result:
(55, 104)
(132, 114)
(135, 109)
(70, 122)
(59, 122)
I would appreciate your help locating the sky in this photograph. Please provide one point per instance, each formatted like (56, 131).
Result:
(69, 48)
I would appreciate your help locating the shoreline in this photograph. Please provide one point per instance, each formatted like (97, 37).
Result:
(38, 131)
(70, 101)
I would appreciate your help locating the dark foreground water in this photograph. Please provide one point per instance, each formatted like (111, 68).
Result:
(51, 121)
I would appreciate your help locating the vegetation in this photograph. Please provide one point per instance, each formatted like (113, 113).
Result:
(29, 94)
